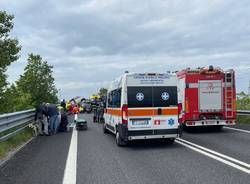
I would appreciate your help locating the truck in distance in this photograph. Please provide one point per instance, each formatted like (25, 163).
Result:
(208, 97)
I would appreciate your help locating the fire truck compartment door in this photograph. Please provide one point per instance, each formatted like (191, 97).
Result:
(210, 95)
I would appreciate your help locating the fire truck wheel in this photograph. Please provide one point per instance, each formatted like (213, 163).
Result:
(119, 140)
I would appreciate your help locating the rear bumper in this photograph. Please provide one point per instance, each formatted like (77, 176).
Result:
(148, 134)
(153, 137)
(209, 123)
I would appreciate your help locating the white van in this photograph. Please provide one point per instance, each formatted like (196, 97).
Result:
(142, 106)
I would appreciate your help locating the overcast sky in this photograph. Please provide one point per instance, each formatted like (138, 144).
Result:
(91, 42)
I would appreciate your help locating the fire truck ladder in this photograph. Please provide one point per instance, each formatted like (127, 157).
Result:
(229, 94)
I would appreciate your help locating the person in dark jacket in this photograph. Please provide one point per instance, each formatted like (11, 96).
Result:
(63, 121)
(53, 115)
(63, 104)
(41, 119)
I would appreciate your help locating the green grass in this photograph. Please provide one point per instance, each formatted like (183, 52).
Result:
(14, 142)
(243, 120)
(11, 130)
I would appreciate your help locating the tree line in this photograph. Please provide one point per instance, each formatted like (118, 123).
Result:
(34, 86)
(243, 103)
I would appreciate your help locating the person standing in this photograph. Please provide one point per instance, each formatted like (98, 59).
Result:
(63, 121)
(53, 115)
(46, 125)
(63, 104)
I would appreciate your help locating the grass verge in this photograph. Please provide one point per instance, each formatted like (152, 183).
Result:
(14, 142)
(245, 120)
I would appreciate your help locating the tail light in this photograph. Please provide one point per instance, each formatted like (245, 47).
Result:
(186, 106)
(125, 114)
(179, 108)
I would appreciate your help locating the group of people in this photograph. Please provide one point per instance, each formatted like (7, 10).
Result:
(50, 119)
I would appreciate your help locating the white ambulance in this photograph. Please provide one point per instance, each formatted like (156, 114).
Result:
(142, 106)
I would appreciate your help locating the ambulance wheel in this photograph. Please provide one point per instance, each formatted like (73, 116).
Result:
(171, 141)
(119, 140)
(219, 127)
(105, 128)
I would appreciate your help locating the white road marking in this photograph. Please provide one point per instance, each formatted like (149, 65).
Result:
(216, 153)
(76, 117)
(242, 166)
(71, 163)
(237, 129)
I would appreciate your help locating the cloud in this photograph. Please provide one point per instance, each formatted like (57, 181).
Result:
(91, 42)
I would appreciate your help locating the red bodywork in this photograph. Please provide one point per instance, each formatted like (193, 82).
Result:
(191, 114)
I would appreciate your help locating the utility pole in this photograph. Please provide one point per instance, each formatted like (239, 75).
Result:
(249, 89)
(60, 94)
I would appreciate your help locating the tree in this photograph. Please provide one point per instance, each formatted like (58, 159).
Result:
(9, 48)
(37, 83)
(15, 100)
(103, 92)
(243, 103)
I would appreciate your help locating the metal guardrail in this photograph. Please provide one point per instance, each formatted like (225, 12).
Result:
(243, 113)
(12, 120)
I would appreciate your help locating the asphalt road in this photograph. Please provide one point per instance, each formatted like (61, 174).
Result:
(99, 160)
(42, 161)
(230, 142)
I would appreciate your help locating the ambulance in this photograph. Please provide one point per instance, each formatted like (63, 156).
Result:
(208, 97)
(142, 106)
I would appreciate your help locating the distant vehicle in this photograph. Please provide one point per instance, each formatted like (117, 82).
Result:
(86, 107)
(142, 106)
(208, 97)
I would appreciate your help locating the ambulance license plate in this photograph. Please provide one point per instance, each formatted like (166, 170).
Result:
(140, 123)
(210, 122)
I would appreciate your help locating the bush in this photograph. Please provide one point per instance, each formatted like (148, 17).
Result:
(14, 142)
(243, 103)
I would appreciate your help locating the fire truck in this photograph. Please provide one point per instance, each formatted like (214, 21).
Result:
(207, 97)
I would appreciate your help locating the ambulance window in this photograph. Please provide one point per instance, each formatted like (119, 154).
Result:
(114, 98)
(109, 99)
(117, 98)
(139, 97)
(165, 96)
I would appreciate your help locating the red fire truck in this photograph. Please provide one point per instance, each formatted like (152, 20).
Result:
(207, 97)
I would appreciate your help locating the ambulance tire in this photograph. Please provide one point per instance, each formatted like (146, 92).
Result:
(105, 130)
(219, 128)
(170, 140)
(119, 140)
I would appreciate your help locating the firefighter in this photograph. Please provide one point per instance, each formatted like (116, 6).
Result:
(63, 104)
(68, 105)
